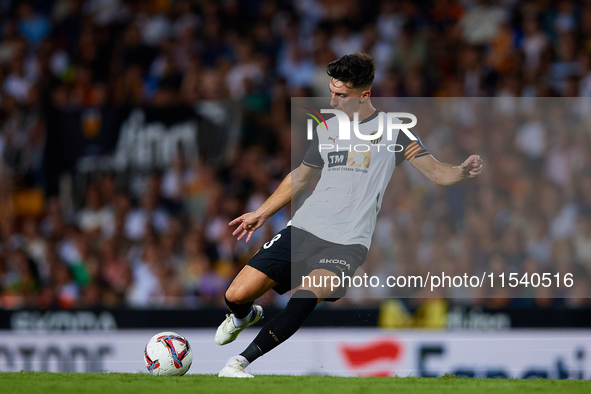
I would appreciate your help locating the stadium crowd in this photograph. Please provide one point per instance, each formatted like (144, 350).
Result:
(170, 246)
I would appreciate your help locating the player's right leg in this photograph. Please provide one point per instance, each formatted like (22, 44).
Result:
(248, 285)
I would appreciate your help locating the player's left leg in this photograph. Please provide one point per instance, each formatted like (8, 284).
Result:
(248, 285)
(268, 269)
(282, 326)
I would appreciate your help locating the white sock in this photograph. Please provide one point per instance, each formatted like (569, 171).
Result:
(244, 321)
(243, 361)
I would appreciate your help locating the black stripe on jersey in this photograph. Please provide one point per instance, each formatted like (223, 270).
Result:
(312, 157)
(310, 165)
(370, 117)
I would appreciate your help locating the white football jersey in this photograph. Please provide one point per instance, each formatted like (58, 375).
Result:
(355, 173)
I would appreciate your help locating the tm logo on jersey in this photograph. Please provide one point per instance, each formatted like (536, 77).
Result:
(346, 158)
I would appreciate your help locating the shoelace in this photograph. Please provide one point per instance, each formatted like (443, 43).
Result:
(228, 317)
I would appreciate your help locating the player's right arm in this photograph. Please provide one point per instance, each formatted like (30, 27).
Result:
(292, 185)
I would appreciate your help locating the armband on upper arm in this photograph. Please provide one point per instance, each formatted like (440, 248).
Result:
(415, 149)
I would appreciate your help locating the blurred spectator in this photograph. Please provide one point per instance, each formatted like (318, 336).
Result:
(32, 26)
(582, 242)
(17, 84)
(148, 214)
(94, 217)
(148, 278)
(539, 245)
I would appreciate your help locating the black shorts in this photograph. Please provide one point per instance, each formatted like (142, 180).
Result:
(293, 253)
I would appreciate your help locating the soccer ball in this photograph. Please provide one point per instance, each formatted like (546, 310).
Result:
(168, 354)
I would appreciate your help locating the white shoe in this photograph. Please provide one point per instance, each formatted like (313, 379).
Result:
(234, 369)
(227, 332)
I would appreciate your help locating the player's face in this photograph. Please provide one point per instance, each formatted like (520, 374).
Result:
(346, 99)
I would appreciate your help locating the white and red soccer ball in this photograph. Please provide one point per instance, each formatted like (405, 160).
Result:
(168, 354)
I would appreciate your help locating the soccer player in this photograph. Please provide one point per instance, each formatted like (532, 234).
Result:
(330, 234)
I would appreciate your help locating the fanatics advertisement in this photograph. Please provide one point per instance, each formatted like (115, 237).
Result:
(556, 354)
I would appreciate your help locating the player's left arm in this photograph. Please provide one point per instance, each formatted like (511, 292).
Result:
(446, 174)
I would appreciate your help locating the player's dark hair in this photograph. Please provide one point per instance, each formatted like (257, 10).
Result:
(357, 70)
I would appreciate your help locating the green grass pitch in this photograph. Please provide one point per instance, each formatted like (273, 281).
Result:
(115, 383)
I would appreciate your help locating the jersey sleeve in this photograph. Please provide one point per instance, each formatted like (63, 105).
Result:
(411, 148)
(312, 157)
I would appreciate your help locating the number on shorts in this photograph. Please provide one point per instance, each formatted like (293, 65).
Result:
(270, 243)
